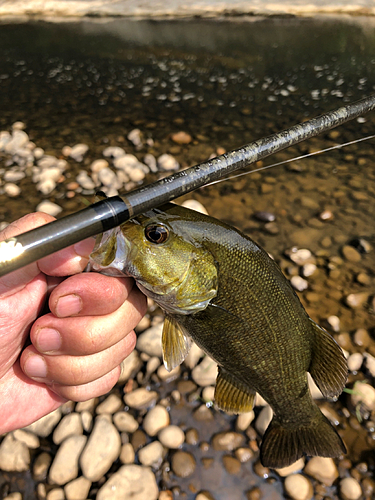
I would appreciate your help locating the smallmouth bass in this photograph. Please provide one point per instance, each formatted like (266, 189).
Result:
(219, 288)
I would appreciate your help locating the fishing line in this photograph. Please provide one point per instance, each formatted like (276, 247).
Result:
(338, 146)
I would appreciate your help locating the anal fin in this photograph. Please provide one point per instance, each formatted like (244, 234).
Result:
(175, 343)
(231, 395)
(328, 366)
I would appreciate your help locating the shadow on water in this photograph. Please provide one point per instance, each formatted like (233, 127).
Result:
(226, 83)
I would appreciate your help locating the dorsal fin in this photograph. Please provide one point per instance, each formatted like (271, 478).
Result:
(231, 395)
(328, 366)
(175, 343)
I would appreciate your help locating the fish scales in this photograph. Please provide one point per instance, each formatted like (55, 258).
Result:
(218, 287)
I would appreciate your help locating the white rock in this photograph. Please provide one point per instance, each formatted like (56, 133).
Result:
(150, 161)
(5, 137)
(370, 363)
(46, 187)
(55, 494)
(244, 420)
(323, 469)
(16, 495)
(30, 439)
(18, 141)
(291, 469)
(355, 361)
(195, 205)
(13, 176)
(87, 419)
(208, 394)
(205, 373)
(299, 283)
(114, 152)
(195, 354)
(363, 394)
(38, 153)
(167, 162)
(130, 366)
(140, 398)
(47, 161)
(78, 151)
(298, 487)
(156, 419)
(350, 489)
(14, 455)
(125, 422)
(64, 467)
(150, 341)
(12, 190)
(151, 455)
(78, 489)
(108, 178)
(18, 126)
(334, 323)
(69, 425)
(45, 425)
(88, 405)
(102, 449)
(171, 437)
(49, 208)
(135, 137)
(263, 420)
(98, 165)
(110, 405)
(130, 481)
(300, 256)
(308, 270)
(85, 181)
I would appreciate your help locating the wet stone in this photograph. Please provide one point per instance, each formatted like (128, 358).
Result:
(356, 300)
(204, 495)
(69, 425)
(192, 437)
(110, 405)
(181, 138)
(260, 470)
(152, 454)
(127, 455)
(350, 489)
(227, 441)
(125, 422)
(138, 439)
(205, 373)
(78, 489)
(130, 481)
(244, 420)
(291, 469)
(355, 362)
(171, 437)
(232, 465)
(323, 469)
(140, 398)
(243, 454)
(254, 494)
(14, 455)
(29, 438)
(203, 414)
(298, 487)
(41, 466)
(183, 464)
(351, 254)
(364, 394)
(64, 467)
(56, 494)
(150, 341)
(362, 338)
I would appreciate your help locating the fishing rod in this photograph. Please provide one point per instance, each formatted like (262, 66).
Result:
(106, 214)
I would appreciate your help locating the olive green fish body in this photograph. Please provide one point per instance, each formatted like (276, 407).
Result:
(232, 299)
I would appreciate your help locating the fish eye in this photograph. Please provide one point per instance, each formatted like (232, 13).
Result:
(156, 233)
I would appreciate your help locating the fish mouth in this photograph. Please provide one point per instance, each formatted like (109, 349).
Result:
(111, 254)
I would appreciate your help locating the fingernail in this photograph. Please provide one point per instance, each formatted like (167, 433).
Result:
(69, 305)
(35, 367)
(85, 247)
(48, 340)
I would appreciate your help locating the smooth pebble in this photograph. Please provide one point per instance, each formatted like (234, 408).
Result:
(171, 437)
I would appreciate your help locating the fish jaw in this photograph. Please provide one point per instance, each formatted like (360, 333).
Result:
(111, 254)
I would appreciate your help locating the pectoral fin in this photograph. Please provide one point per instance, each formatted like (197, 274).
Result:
(175, 343)
(231, 395)
(328, 367)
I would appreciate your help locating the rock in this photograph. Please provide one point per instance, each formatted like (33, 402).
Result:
(291, 469)
(41, 466)
(129, 164)
(56, 494)
(150, 341)
(64, 467)
(350, 489)
(334, 323)
(151, 455)
(167, 162)
(308, 270)
(263, 420)
(370, 363)
(363, 393)
(244, 420)
(168, 376)
(205, 373)
(300, 256)
(69, 425)
(13, 176)
(208, 394)
(102, 449)
(108, 178)
(16, 495)
(127, 455)
(135, 136)
(110, 405)
(227, 441)
(150, 161)
(46, 186)
(113, 152)
(265, 216)
(18, 140)
(11, 189)
(203, 414)
(78, 151)
(298, 487)
(156, 419)
(350, 254)
(355, 300)
(88, 405)
(355, 362)
(130, 366)
(14, 455)
(38, 153)
(45, 425)
(195, 205)
(181, 137)
(29, 438)
(299, 283)
(326, 215)
(183, 464)
(307, 202)
(244, 454)
(98, 165)
(49, 208)
(141, 398)
(78, 489)
(323, 469)
(130, 481)
(171, 437)
(362, 338)
(85, 181)
(125, 422)
(194, 356)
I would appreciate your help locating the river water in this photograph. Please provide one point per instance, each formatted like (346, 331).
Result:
(226, 83)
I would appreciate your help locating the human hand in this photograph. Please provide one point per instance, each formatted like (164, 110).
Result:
(76, 346)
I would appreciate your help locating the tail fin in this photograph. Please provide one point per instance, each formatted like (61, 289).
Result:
(282, 446)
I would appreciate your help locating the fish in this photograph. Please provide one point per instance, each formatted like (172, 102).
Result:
(220, 289)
